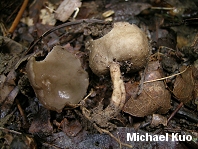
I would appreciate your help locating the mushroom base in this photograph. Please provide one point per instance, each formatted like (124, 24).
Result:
(100, 116)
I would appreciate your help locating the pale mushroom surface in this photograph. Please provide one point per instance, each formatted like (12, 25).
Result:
(125, 42)
(58, 80)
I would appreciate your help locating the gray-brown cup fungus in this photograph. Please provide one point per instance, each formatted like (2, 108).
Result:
(125, 42)
(58, 80)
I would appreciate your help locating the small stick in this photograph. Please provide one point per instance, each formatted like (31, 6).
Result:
(119, 140)
(21, 112)
(3, 29)
(162, 8)
(56, 28)
(12, 131)
(195, 41)
(65, 25)
(160, 79)
(175, 111)
(91, 92)
(18, 17)
(50, 145)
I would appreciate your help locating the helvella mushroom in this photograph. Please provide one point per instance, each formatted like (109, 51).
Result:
(58, 80)
(124, 43)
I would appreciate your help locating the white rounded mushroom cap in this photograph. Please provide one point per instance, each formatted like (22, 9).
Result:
(125, 42)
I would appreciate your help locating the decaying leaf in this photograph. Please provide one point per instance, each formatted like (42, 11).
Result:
(158, 119)
(41, 123)
(102, 141)
(66, 9)
(195, 75)
(8, 92)
(195, 95)
(23, 141)
(47, 16)
(154, 97)
(127, 9)
(71, 128)
(184, 85)
(10, 54)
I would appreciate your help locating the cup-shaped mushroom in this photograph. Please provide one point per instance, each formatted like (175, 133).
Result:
(124, 43)
(58, 80)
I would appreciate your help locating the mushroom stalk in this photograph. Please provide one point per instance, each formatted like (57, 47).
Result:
(119, 94)
(102, 116)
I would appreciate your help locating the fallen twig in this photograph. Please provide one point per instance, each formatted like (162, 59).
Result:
(18, 17)
(160, 79)
(11, 131)
(175, 111)
(21, 111)
(56, 28)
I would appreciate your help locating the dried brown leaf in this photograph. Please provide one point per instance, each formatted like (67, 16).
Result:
(41, 123)
(8, 92)
(66, 8)
(10, 54)
(71, 128)
(127, 9)
(195, 95)
(158, 119)
(154, 97)
(184, 85)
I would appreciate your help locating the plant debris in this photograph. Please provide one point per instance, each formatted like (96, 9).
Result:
(66, 8)
(154, 97)
(184, 85)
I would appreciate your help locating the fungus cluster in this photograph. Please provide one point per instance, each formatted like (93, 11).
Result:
(58, 80)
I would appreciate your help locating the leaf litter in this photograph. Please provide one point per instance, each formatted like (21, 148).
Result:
(154, 96)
